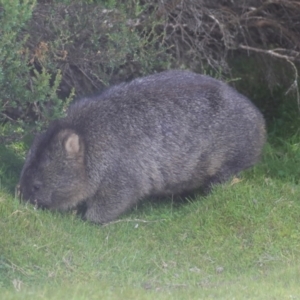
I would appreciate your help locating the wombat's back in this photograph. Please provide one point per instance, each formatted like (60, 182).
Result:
(176, 129)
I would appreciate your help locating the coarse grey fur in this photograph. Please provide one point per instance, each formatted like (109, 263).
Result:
(167, 133)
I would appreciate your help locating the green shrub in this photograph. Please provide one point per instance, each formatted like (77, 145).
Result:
(52, 50)
(27, 93)
(95, 43)
(13, 66)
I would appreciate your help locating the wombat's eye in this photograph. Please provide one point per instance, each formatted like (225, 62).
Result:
(36, 186)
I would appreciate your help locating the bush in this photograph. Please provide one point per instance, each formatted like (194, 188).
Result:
(54, 50)
(94, 44)
(212, 34)
(25, 92)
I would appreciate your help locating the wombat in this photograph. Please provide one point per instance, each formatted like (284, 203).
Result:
(167, 133)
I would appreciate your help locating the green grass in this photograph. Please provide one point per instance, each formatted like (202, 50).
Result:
(240, 242)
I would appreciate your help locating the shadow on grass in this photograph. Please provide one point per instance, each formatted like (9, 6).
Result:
(163, 203)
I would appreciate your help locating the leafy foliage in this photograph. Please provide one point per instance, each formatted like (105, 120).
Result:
(54, 50)
(93, 43)
(26, 93)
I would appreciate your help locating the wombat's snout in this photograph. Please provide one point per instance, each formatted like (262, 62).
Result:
(21, 193)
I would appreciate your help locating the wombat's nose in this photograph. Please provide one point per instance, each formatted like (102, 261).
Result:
(36, 186)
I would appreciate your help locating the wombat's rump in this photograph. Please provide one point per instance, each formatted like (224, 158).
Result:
(167, 133)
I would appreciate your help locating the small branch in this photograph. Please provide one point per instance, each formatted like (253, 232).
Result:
(87, 76)
(270, 52)
(9, 118)
(14, 267)
(133, 220)
(294, 85)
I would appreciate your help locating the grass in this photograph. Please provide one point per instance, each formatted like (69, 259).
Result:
(240, 242)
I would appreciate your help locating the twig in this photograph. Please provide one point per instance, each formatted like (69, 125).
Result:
(8, 117)
(270, 52)
(133, 220)
(13, 266)
(87, 76)
(294, 85)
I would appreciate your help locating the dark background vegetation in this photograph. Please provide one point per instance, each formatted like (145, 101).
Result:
(54, 51)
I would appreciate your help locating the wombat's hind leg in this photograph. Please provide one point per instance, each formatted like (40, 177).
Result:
(223, 175)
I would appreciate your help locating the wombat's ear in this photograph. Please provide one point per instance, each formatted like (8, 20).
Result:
(71, 142)
(72, 145)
